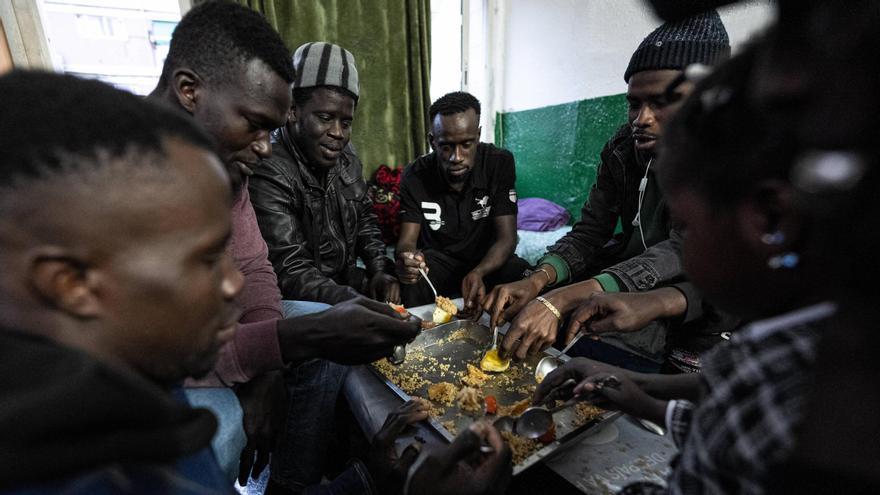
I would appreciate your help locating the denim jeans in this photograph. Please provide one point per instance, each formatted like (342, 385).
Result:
(314, 387)
(230, 438)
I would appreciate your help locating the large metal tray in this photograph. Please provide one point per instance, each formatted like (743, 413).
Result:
(441, 354)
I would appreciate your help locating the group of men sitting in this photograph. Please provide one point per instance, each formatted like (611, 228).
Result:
(458, 212)
(211, 233)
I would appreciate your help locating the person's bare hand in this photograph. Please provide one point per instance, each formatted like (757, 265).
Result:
(388, 469)
(531, 331)
(578, 369)
(385, 287)
(627, 396)
(473, 291)
(614, 312)
(507, 300)
(356, 331)
(264, 404)
(462, 469)
(407, 266)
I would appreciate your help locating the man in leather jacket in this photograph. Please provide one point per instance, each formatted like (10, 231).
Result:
(310, 196)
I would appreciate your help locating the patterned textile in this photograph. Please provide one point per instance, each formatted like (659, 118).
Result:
(384, 191)
(756, 390)
(757, 387)
(679, 416)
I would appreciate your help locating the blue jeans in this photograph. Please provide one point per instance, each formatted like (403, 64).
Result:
(314, 387)
(230, 438)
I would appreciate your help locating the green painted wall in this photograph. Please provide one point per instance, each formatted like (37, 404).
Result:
(557, 147)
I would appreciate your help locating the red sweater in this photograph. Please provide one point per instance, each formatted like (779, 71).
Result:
(255, 348)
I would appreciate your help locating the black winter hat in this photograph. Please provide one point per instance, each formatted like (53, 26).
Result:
(701, 39)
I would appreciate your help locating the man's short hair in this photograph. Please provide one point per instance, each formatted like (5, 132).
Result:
(455, 102)
(56, 125)
(216, 38)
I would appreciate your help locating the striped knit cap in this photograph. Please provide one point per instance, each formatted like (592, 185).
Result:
(701, 39)
(325, 64)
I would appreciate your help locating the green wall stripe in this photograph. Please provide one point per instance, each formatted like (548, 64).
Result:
(557, 147)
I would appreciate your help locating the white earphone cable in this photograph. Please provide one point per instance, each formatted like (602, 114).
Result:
(643, 185)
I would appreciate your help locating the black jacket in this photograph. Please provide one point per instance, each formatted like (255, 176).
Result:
(586, 249)
(315, 234)
(614, 198)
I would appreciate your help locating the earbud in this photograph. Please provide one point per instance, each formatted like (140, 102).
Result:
(636, 221)
(787, 260)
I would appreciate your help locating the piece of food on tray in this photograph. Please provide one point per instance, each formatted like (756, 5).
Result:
(585, 411)
(400, 309)
(408, 382)
(443, 392)
(444, 311)
(469, 399)
(492, 361)
(521, 447)
(515, 409)
(491, 404)
(434, 410)
(475, 377)
(450, 426)
(549, 435)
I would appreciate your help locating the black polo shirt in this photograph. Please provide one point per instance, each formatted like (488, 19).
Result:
(459, 224)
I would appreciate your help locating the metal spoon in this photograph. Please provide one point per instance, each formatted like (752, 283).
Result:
(550, 363)
(651, 426)
(507, 423)
(502, 363)
(538, 420)
(425, 275)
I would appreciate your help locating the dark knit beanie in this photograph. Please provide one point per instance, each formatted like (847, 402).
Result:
(701, 39)
(325, 64)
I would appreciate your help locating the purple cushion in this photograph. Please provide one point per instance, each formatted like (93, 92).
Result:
(540, 215)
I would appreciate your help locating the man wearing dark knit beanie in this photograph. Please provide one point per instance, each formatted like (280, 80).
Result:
(642, 257)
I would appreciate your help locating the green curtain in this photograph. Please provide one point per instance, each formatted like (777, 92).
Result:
(390, 40)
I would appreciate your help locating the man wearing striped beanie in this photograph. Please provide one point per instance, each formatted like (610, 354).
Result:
(310, 197)
(642, 257)
(311, 205)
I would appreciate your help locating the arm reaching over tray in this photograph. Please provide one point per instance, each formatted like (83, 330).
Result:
(640, 390)
(329, 334)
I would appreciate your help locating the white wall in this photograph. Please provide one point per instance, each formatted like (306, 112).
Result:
(558, 51)
(446, 38)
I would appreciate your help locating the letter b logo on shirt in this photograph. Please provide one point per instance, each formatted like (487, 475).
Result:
(432, 214)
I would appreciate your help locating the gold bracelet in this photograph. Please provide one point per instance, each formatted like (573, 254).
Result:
(543, 270)
(551, 307)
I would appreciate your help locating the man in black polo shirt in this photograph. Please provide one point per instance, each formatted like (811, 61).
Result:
(458, 210)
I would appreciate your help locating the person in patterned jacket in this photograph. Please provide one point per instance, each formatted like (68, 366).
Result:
(749, 250)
